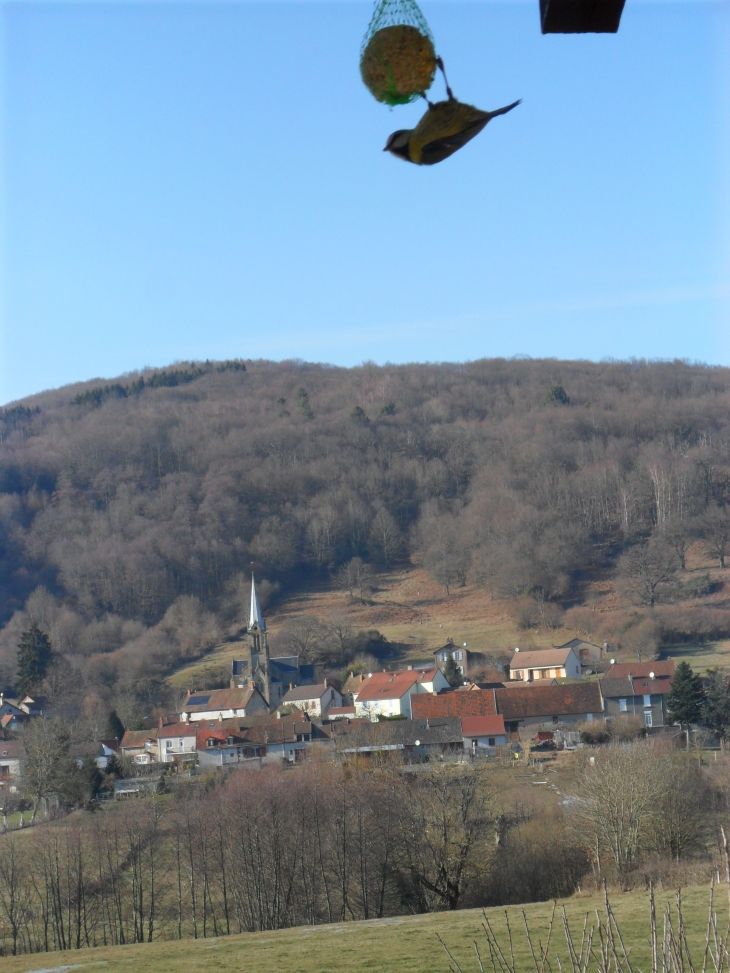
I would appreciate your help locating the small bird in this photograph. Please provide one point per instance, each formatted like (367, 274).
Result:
(446, 127)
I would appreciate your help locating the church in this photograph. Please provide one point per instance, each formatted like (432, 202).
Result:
(272, 677)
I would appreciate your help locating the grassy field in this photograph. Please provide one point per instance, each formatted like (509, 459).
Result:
(405, 944)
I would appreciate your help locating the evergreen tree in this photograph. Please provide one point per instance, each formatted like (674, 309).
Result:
(34, 657)
(114, 726)
(716, 708)
(686, 697)
(452, 673)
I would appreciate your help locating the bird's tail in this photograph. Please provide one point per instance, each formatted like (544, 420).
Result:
(503, 111)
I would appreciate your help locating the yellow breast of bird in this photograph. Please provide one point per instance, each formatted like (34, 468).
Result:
(443, 119)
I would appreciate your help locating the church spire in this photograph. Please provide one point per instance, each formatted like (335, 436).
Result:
(255, 616)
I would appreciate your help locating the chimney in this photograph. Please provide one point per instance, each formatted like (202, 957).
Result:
(410, 667)
(160, 724)
(325, 682)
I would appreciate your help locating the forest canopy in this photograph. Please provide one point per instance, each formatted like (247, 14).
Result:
(132, 510)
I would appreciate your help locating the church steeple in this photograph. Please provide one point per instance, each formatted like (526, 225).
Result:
(255, 617)
(258, 647)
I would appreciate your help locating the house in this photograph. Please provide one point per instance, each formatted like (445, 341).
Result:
(340, 712)
(545, 664)
(11, 707)
(36, 706)
(229, 743)
(483, 733)
(140, 745)
(418, 738)
(477, 702)
(314, 700)
(589, 653)
(12, 762)
(222, 704)
(643, 697)
(459, 653)
(353, 685)
(625, 670)
(389, 693)
(13, 721)
(177, 742)
(532, 706)
(102, 751)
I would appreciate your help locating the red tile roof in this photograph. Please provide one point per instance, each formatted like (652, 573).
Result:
(571, 699)
(176, 730)
(622, 670)
(482, 726)
(661, 686)
(480, 702)
(393, 685)
(388, 685)
(136, 739)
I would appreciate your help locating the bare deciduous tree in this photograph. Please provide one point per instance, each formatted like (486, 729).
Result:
(647, 570)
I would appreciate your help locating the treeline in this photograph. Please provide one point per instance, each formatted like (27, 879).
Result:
(168, 379)
(271, 849)
(133, 510)
(322, 842)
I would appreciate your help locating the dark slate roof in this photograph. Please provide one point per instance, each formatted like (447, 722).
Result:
(478, 702)
(218, 699)
(300, 693)
(400, 733)
(572, 699)
(616, 688)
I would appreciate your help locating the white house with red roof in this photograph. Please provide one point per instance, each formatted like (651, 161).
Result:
(484, 733)
(177, 741)
(389, 693)
(545, 664)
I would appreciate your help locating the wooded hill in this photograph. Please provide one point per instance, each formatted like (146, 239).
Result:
(132, 510)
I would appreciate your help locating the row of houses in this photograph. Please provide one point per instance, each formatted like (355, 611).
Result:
(263, 739)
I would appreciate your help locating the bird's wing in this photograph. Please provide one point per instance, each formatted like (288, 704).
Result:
(441, 148)
(446, 118)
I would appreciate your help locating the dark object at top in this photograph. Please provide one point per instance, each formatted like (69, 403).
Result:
(580, 16)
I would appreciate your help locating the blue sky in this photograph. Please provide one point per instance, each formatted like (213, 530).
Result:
(206, 180)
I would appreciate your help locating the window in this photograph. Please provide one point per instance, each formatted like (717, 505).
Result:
(169, 744)
(623, 705)
(647, 700)
(5, 753)
(589, 717)
(647, 718)
(555, 719)
(491, 741)
(577, 670)
(458, 656)
(181, 743)
(517, 674)
(210, 742)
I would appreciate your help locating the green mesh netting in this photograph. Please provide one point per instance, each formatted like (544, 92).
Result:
(397, 58)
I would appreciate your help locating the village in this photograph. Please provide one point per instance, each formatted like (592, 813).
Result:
(277, 710)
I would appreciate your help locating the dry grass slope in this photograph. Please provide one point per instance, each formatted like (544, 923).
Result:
(399, 945)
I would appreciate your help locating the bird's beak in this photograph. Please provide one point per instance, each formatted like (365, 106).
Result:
(385, 149)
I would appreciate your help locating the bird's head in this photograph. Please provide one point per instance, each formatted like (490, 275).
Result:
(398, 143)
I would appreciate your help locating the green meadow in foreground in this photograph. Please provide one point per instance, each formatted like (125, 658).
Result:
(406, 944)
